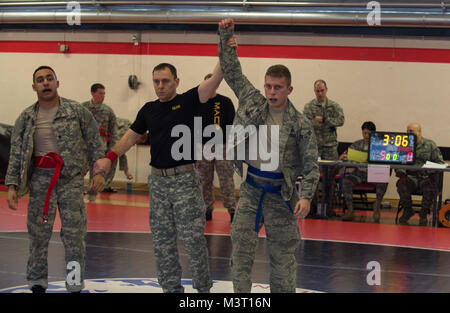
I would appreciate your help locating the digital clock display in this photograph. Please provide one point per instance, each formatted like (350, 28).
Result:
(391, 147)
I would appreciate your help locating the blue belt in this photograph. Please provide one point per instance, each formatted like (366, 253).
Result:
(265, 188)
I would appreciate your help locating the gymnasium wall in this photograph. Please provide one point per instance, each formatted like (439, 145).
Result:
(391, 81)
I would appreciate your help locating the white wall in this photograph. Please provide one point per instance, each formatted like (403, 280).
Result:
(391, 94)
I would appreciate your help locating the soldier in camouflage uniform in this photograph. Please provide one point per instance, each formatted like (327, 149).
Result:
(51, 136)
(177, 209)
(269, 195)
(325, 115)
(107, 126)
(418, 181)
(359, 176)
(218, 111)
(122, 126)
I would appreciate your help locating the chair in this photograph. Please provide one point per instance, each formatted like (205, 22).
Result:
(437, 198)
(360, 189)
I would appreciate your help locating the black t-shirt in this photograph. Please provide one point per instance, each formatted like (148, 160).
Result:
(159, 118)
(219, 111)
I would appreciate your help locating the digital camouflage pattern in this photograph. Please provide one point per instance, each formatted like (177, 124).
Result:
(298, 146)
(225, 174)
(283, 239)
(177, 210)
(107, 128)
(298, 157)
(68, 197)
(77, 137)
(122, 126)
(6, 130)
(106, 121)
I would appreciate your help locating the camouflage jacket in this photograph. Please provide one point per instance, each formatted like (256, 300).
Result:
(426, 150)
(122, 126)
(298, 148)
(333, 116)
(106, 120)
(77, 138)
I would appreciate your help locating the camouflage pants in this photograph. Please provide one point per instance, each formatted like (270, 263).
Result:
(282, 236)
(177, 210)
(225, 173)
(67, 195)
(425, 186)
(108, 178)
(327, 174)
(359, 177)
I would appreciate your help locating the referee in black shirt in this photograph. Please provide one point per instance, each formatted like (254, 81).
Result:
(177, 209)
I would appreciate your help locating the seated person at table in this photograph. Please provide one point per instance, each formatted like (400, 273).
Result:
(418, 181)
(359, 176)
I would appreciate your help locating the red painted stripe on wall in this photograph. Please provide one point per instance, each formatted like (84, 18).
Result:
(254, 51)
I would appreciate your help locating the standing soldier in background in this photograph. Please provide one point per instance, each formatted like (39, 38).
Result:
(269, 195)
(48, 153)
(418, 181)
(219, 111)
(107, 126)
(177, 209)
(325, 115)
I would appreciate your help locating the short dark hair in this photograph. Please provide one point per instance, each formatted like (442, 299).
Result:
(96, 87)
(369, 125)
(279, 71)
(43, 67)
(162, 66)
(320, 81)
(208, 76)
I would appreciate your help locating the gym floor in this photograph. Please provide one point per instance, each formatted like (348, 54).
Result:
(334, 256)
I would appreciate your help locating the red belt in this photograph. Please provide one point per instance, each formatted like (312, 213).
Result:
(50, 160)
(104, 132)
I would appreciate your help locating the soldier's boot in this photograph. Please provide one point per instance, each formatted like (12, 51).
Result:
(423, 217)
(376, 211)
(348, 216)
(208, 213)
(37, 289)
(407, 214)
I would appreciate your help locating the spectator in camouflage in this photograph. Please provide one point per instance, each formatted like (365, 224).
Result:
(421, 182)
(325, 115)
(51, 132)
(107, 126)
(219, 111)
(359, 176)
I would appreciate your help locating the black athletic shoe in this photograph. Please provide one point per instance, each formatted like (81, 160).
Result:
(38, 289)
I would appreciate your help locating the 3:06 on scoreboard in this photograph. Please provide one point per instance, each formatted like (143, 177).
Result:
(392, 148)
